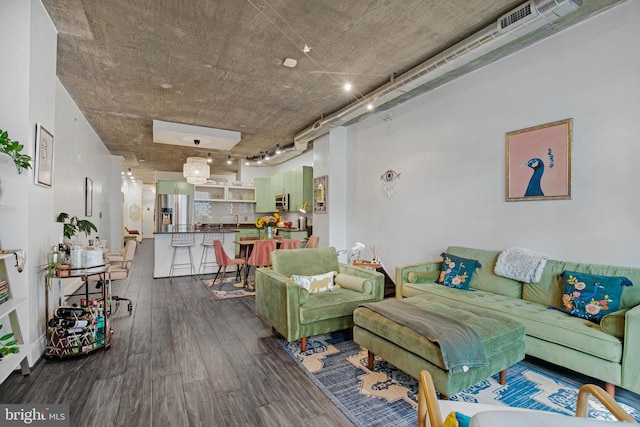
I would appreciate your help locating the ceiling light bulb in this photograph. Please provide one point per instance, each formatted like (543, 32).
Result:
(209, 159)
(247, 162)
(347, 86)
(129, 173)
(369, 106)
(259, 161)
(229, 161)
(267, 156)
(278, 150)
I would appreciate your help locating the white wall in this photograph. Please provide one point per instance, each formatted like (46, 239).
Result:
(449, 147)
(27, 215)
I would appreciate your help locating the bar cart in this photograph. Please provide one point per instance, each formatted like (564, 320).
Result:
(79, 328)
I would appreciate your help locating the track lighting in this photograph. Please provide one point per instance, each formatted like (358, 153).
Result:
(247, 162)
(129, 173)
(229, 161)
(209, 159)
(278, 150)
(267, 156)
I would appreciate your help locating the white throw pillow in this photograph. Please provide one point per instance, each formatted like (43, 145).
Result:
(315, 284)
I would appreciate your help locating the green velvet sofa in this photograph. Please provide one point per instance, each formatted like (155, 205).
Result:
(297, 314)
(609, 351)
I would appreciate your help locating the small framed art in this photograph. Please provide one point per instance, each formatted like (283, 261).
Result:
(43, 170)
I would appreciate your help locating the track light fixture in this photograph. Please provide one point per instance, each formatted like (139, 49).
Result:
(129, 172)
(209, 159)
(229, 161)
(278, 150)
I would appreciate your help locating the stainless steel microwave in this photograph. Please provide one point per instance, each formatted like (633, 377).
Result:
(282, 202)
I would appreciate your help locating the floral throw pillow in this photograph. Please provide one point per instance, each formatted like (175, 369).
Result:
(315, 284)
(456, 271)
(590, 296)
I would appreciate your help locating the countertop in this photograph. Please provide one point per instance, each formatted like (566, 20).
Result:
(226, 228)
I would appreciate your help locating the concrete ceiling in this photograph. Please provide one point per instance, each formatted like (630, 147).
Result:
(218, 64)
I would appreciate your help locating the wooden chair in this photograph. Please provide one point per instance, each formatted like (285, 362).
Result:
(432, 412)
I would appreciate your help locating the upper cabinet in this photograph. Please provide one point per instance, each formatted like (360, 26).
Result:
(174, 187)
(297, 183)
(223, 193)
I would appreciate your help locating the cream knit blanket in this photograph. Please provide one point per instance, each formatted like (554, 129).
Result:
(521, 264)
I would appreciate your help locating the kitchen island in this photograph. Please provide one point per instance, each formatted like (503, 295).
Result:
(228, 233)
(163, 251)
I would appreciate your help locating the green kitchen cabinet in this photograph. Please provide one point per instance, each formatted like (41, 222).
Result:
(264, 201)
(276, 185)
(301, 188)
(292, 234)
(174, 187)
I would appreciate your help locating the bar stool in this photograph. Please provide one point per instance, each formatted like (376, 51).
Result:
(207, 243)
(182, 241)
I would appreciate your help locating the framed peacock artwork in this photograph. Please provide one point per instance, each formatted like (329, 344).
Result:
(538, 162)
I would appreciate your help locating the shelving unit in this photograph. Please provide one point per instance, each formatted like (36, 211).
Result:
(10, 309)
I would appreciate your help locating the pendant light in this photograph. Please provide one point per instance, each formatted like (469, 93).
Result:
(196, 170)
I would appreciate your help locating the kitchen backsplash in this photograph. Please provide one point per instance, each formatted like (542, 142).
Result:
(224, 212)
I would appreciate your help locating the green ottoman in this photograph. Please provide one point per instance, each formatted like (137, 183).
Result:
(411, 352)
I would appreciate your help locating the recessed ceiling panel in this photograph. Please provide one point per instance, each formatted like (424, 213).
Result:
(190, 136)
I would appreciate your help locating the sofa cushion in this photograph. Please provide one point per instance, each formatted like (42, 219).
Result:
(330, 305)
(298, 261)
(591, 296)
(314, 284)
(484, 278)
(614, 323)
(456, 271)
(550, 288)
(540, 322)
(354, 283)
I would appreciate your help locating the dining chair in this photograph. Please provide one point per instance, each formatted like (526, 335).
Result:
(207, 243)
(312, 242)
(261, 253)
(290, 244)
(223, 260)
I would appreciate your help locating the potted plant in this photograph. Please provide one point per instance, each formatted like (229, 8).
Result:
(14, 150)
(73, 225)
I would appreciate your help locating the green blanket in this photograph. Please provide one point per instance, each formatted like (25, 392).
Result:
(460, 345)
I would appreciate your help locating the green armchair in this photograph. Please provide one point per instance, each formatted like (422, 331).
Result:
(295, 313)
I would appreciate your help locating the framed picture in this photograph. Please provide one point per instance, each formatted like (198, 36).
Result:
(43, 169)
(320, 193)
(538, 162)
(88, 197)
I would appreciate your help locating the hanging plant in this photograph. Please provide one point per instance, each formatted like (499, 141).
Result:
(13, 149)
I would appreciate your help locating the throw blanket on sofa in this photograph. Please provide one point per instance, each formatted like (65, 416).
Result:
(521, 264)
(460, 345)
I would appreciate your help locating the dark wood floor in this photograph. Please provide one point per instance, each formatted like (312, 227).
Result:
(181, 359)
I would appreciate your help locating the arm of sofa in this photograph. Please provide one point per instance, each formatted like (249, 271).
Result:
(376, 278)
(631, 349)
(278, 302)
(403, 270)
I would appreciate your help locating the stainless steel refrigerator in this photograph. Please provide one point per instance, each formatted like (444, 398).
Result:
(174, 212)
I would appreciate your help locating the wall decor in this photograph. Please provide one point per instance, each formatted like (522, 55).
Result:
(43, 171)
(538, 162)
(88, 197)
(390, 183)
(320, 194)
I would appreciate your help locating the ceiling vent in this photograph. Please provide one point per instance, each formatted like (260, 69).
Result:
(519, 16)
(531, 10)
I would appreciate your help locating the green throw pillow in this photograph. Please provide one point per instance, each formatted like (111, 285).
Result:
(456, 271)
(613, 323)
(590, 296)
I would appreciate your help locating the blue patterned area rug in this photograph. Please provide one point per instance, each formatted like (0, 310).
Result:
(388, 396)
